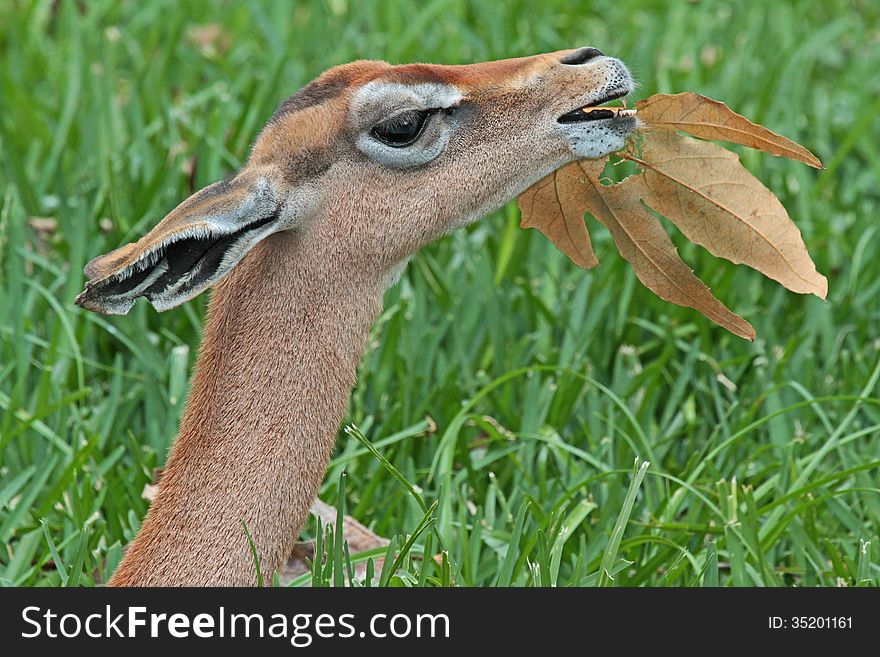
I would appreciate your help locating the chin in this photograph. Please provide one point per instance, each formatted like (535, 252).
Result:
(598, 141)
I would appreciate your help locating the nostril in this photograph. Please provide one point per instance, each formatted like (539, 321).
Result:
(581, 56)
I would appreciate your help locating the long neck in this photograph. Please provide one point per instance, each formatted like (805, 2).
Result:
(282, 340)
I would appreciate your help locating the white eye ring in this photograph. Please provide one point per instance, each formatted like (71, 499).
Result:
(426, 146)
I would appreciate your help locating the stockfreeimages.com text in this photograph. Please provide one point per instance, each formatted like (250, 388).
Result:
(299, 629)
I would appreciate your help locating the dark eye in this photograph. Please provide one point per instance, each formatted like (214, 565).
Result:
(403, 129)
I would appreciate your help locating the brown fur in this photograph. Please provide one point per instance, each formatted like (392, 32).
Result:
(286, 327)
(282, 341)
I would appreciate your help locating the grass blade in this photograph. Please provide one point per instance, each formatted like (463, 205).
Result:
(610, 555)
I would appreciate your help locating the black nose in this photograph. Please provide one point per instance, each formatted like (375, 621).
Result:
(581, 56)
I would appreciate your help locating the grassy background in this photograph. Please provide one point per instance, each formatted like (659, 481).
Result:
(509, 389)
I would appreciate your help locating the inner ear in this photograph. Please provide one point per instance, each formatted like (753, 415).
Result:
(186, 265)
(176, 270)
(190, 250)
(194, 263)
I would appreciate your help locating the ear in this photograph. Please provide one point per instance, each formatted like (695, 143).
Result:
(190, 249)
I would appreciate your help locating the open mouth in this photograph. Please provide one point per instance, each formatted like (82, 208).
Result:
(595, 113)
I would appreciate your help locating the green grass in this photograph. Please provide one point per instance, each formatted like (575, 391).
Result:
(504, 395)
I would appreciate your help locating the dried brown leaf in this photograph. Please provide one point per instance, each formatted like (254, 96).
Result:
(548, 207)
(711, 119)
(704, 190)
(359, 539)
(149, 492)
(358, 536)
(700, 187)
(643, 242)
